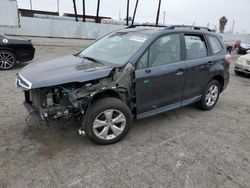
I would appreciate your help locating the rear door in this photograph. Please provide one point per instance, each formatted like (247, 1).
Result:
(160, 76)
(199, 61)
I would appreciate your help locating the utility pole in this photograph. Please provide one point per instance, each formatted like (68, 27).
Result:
(164, 16)
(133, 20)
(30, 4)
(158, 13)
(74, 3)
(233, 26)
(83, 10)
(127, 12)
(58, 6)
(97, 11)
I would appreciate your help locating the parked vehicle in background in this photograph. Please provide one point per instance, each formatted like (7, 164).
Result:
(129, 74)
(14, 50)
(236, 42)
(242, 65)
(243, 48)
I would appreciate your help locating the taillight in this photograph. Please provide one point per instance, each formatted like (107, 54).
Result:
(229, 58)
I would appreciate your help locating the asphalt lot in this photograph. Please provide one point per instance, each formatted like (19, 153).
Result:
(183, 148)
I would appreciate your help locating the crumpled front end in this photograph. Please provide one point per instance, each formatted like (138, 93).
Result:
(74, 99)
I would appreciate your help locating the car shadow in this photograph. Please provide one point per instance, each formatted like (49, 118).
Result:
(55, 136)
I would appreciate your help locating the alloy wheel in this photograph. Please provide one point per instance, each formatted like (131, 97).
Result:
(109, 124)
(7, 60)
(212, 95)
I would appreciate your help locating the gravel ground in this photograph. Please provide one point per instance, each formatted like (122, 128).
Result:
(182, 148)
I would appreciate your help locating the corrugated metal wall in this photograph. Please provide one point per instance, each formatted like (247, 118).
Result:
(59, 28)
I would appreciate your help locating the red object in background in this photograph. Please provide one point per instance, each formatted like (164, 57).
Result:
(237, 44)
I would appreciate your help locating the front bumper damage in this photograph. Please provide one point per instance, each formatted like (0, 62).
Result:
(74, 99)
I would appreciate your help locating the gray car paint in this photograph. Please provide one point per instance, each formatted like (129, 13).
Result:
(63, 70)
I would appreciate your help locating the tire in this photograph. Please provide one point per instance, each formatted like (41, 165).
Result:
(99, 126)
(236, 72)
(212, 93)
(7, 60)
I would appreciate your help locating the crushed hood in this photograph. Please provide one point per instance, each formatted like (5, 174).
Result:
(61, 71)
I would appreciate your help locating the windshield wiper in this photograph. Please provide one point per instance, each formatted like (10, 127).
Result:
(93, 59)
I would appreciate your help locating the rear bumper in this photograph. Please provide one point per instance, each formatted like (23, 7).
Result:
(26, 56)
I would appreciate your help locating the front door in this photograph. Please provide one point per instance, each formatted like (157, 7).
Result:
(160, 76)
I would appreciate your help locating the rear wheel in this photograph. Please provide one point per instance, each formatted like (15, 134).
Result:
(210, 95)
(108, 121)
(7, 60)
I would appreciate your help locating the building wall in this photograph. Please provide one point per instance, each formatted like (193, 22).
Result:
(8, 13)
(48, 27)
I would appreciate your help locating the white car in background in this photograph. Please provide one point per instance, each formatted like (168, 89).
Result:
(242, 65)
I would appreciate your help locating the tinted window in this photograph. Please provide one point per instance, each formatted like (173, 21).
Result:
(165, 50)
(215, 43)
(195, 47)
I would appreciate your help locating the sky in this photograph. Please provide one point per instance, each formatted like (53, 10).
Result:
(200, 12)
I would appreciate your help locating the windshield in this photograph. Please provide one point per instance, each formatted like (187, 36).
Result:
(116, 47)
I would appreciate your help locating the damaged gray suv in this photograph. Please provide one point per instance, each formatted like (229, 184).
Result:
(127, 75)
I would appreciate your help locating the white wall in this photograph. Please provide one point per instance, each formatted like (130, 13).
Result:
(59, 28)
(8, 13)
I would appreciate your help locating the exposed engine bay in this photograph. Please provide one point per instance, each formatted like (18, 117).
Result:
(73, 99)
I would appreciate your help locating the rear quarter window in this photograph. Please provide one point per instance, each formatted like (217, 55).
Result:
(195, 47)
(215, 44)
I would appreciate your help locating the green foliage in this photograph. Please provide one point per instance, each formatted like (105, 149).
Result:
(223, 22)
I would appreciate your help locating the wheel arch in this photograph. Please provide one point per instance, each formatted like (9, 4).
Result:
(221, 81)
(8, 49)
(110, 93)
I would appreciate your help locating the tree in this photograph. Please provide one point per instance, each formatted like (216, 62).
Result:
(136, 4)
(223, 22)
(83, 10)
(74, 4)
(127, 17)
(158, 13)
(97, 11)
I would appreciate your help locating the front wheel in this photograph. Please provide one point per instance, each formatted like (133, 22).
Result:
(210, 95)
(108, 121)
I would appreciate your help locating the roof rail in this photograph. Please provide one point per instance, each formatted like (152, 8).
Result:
(145, 25)
(173, 27)
(189, 27)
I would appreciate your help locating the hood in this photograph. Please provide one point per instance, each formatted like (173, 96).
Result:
(61, 71)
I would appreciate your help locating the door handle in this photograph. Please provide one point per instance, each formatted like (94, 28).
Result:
(179, 72)
(148, 71)
(210, 63)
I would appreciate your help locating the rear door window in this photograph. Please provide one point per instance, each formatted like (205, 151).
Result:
(195, 47)
(215, 44)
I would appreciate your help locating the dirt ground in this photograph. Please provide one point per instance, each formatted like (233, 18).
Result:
(183, 148)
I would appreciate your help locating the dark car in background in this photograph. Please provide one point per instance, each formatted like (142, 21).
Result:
(243, 48)
(13, 50)
(128, 74)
